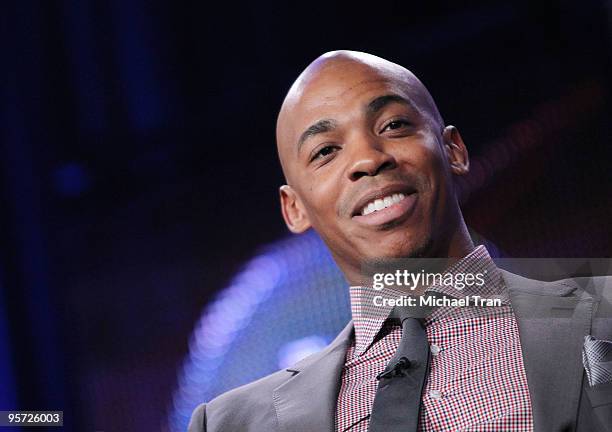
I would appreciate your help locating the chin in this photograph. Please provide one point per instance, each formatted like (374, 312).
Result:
(404, 248)
(384, 260)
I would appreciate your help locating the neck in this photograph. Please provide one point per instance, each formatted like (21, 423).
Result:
(458, 245)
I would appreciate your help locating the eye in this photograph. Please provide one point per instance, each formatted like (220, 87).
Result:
(324, 152)
(395, 124)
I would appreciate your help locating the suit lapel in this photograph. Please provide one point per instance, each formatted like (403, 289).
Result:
(553, 319)
(307, 401)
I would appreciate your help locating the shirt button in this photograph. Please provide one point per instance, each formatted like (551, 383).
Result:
(435, 394)
(435, 349)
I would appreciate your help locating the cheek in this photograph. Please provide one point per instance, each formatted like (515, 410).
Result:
(425, 159)
(441, 190)
(433, 156)
(320, 200)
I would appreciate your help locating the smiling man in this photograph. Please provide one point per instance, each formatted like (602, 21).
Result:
(370, 165)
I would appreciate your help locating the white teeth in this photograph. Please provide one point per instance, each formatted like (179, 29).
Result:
(380, 204)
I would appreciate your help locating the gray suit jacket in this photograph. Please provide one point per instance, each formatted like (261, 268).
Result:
(553, 319)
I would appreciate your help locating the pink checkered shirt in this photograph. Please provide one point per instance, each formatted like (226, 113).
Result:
(477, 379)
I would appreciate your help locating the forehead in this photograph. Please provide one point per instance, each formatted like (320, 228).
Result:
(348, 79)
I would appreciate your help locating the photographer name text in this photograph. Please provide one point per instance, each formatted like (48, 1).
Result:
(433, 301)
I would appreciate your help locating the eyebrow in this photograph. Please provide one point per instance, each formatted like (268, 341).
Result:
(322, 126)
(382, 101)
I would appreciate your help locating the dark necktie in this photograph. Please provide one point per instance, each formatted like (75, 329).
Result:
(398, 397)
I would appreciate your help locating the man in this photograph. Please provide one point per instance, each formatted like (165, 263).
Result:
(370, 166)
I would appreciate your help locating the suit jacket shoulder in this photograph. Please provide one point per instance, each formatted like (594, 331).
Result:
(253, 407)
(240, 407)
(597, 289)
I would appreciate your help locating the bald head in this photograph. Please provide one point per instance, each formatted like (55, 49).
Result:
(328, 78)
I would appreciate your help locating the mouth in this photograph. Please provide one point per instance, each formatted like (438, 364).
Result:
(384, 206)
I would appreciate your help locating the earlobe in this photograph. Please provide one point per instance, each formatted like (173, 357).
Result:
(456, 151)
(293, 211)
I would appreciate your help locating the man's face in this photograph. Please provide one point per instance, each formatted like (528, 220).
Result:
(366, 162)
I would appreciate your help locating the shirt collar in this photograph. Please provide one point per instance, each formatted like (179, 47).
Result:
(368, 319)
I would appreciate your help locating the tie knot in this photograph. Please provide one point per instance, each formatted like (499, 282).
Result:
(416, 313)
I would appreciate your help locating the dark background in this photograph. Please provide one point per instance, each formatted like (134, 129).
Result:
(139, 170)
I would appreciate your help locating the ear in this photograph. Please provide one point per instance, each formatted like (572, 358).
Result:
(456, 152)
(293, 211)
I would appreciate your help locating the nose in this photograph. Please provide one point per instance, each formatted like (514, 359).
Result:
(369, 159)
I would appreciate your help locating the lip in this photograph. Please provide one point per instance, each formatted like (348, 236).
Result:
(392, 213)
(380, 193)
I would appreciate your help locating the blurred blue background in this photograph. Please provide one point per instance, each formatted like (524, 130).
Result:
(138, 179)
